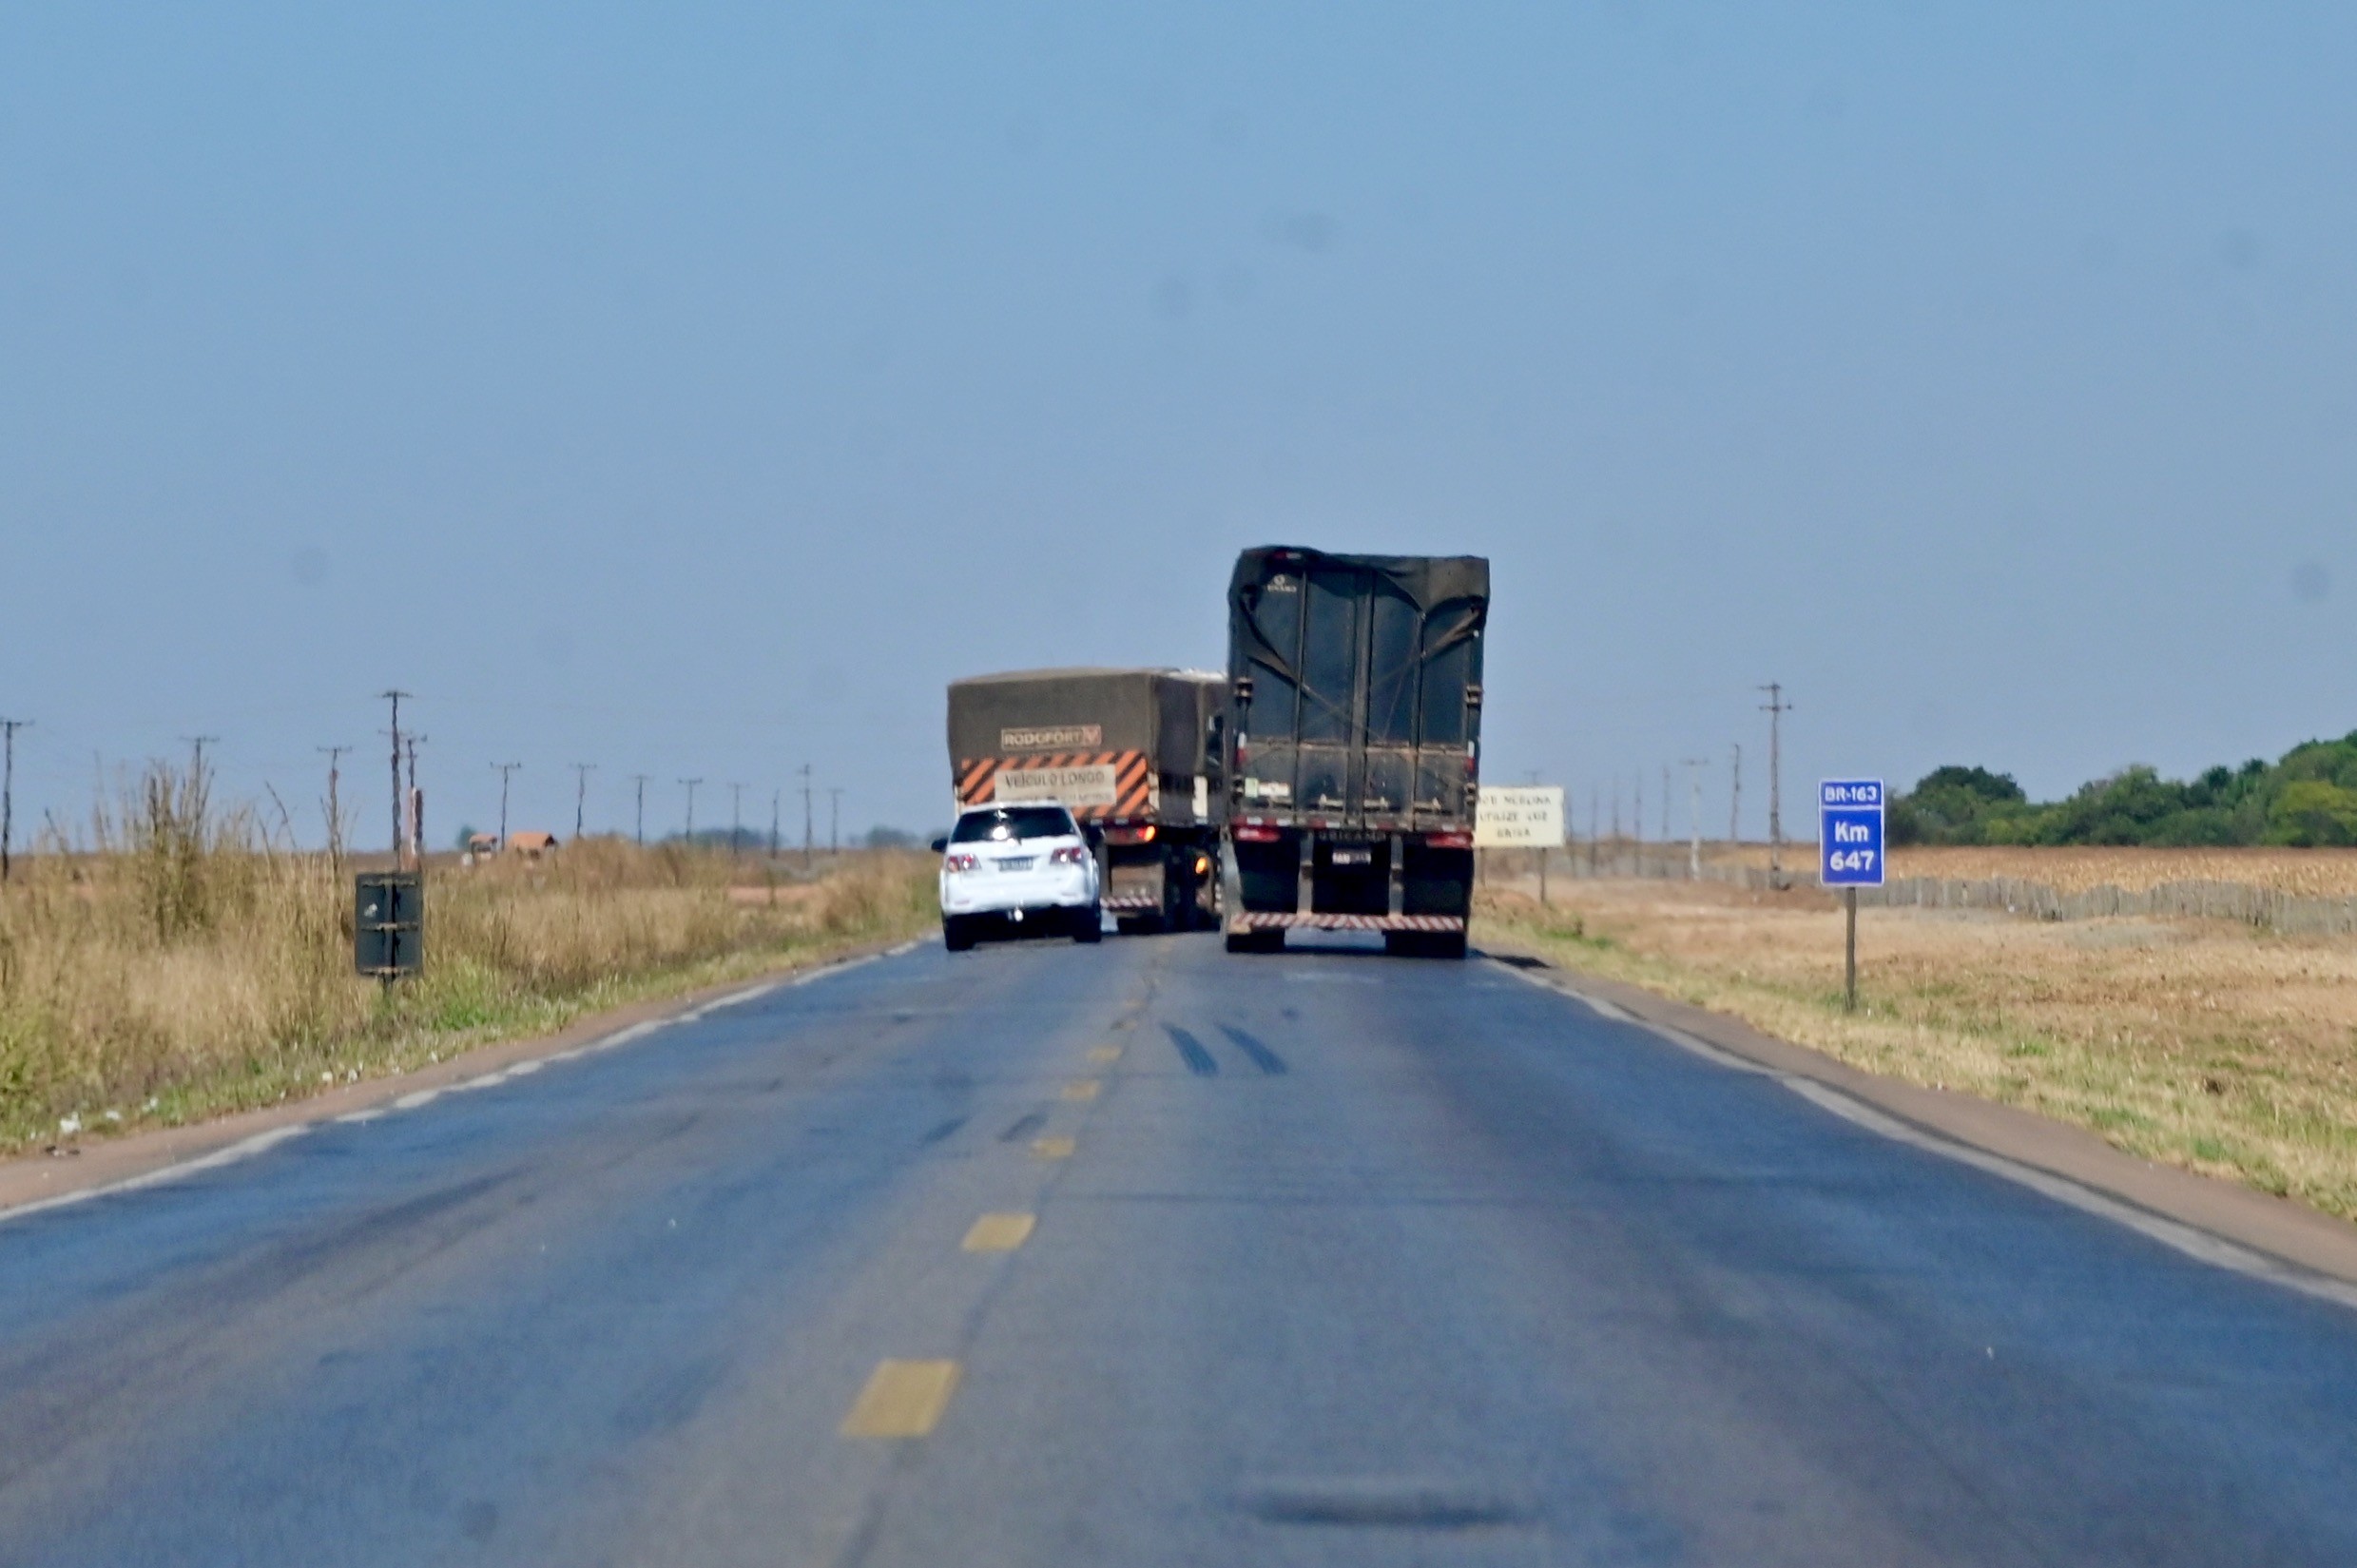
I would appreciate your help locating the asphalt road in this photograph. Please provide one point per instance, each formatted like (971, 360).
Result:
(1324, 1258)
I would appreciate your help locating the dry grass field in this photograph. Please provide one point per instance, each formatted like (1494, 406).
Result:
(189, 967)
(2204, 1044)
(2311, 873)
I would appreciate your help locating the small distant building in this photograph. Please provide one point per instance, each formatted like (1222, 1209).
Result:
(532, 844)
(481, 846)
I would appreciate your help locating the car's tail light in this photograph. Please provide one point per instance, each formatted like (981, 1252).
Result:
(1449, 841)
(1072, 854)
(1254, 833)
(962, 863)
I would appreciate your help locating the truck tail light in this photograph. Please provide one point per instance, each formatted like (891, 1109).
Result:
(1254, 833)
(1449, 841)
(1072, 854)
(961, 863)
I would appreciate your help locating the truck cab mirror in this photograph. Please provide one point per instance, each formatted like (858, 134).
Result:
(1214, 748)
(940, 846)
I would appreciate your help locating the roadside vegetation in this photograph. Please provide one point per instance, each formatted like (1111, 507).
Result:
(2308, 797)
(2208, 1045)
(190, 963)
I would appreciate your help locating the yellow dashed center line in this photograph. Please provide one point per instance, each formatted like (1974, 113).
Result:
(1053, 1149)
(1105, 1055)
(903, 1399)
(1082, 1089)
(999, 1232)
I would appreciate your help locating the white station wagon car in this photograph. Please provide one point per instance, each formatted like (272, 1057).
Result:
(1008, 869)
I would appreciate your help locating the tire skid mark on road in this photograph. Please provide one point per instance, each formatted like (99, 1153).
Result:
(1199, 1061)
(1264, 1058)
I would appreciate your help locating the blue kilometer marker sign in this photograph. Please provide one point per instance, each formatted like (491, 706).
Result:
(1849, 832)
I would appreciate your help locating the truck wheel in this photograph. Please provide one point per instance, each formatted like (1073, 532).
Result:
(1088, 925)
(956, 934)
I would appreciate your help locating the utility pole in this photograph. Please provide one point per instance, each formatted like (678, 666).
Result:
(504, 770)
(417, 802)
(1592, 826)
(774, 797)
(1639, 820)
(581, 794)
(736, 820)
(691, 809)
(834, 820)
(395, 697)
(1734, 801)
(335, 808)
(1694, 825)
(8, 787)
(640, 779)
(806, 833)
(196, 746)
(1775, 708)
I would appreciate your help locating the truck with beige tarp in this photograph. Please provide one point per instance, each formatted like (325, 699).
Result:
(1124, 751)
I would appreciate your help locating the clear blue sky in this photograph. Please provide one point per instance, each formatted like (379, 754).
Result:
(695, 389)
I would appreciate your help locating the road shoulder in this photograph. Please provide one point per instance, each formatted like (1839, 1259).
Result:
(2278, 1229)
(36, 1180)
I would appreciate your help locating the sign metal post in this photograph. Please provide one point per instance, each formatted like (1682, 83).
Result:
(1849, 857)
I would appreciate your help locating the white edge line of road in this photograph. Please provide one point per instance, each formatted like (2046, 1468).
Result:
(262, 1142)
(2190, 1240)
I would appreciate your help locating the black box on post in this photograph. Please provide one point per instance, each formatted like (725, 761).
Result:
(389, 922)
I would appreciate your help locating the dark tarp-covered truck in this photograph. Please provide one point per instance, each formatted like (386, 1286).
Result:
(1124, 750)
(1350, 747)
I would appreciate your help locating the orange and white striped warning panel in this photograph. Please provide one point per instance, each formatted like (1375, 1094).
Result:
(1095, 784)
(1251, 920)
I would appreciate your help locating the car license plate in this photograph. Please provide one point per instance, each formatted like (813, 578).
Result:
(1354, 857)
(1019, 862)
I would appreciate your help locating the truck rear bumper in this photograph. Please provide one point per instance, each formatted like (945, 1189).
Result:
(1248, 919)
(1134, 903)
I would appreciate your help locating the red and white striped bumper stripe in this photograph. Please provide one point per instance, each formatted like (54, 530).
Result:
(1255, 920)
(1132, 900)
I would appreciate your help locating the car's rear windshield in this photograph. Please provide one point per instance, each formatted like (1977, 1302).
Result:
(1014, 821)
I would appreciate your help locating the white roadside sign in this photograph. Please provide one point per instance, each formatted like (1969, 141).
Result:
(1074, 787)
(1520, 817)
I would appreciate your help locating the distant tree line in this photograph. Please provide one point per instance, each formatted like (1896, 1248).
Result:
(2308, 798)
